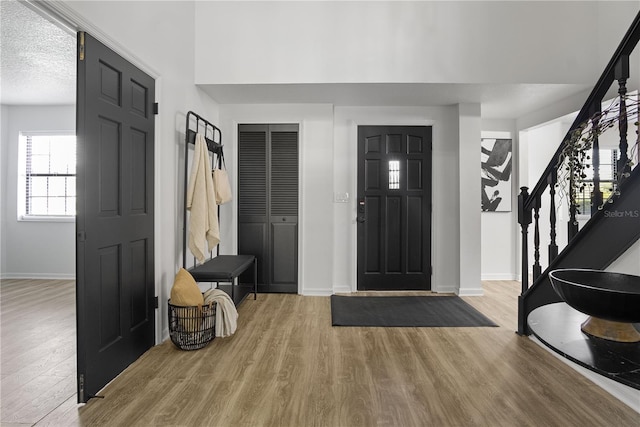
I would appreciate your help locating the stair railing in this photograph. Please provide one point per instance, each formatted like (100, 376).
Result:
(530, 203)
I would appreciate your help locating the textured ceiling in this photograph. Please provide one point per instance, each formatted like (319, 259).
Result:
(38, 64)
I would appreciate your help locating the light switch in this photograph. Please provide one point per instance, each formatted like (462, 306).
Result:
(341, 197)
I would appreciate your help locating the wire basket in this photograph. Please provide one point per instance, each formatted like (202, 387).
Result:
(191, 328)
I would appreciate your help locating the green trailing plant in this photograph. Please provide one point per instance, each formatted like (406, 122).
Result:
(577, 148)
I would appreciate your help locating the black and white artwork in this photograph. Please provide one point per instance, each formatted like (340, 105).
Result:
(496, 175)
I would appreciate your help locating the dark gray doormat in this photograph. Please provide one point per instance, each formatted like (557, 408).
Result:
(446, 311)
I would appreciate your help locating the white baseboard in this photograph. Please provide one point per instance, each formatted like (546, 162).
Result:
(477, 292)
(445, 290)
(38, 276)
(316, 292)
(499, 276)
(342, 289)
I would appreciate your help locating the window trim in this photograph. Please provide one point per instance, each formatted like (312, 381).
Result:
(46, 218)
(21, 184)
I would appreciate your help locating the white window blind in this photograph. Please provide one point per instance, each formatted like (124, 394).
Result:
(49, 175)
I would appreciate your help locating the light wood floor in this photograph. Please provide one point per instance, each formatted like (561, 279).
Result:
(286, 366)
(38, 348)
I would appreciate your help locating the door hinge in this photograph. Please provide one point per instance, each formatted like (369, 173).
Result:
(81, 236)
(81, 49)
(81, 388)
(155, 108)
(156, 302)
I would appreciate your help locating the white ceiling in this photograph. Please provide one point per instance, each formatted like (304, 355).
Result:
(38, 66)
(498, 100)
(38, 62)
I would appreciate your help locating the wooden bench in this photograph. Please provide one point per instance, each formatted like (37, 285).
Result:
(227, 268)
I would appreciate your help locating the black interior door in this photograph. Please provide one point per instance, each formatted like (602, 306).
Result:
(114, 224)
(394, 207)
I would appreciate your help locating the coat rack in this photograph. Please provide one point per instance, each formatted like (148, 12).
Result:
(221, 268)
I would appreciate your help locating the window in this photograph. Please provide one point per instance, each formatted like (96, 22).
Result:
(47, 187)
(394, 174)
(608, 171)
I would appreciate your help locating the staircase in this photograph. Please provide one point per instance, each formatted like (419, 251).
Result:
(615, 223)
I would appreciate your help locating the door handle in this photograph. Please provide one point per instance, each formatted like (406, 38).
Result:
(361, 211)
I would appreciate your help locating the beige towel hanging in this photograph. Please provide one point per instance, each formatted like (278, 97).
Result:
(201, 202)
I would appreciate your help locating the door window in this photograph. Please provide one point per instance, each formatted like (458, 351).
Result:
(394, 174)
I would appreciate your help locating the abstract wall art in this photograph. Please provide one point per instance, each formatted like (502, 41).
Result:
(496, 175)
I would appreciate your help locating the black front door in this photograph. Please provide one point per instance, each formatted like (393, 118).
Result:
(394, 207)
(114, 224)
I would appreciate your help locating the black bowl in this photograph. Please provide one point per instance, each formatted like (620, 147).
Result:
(602, 294)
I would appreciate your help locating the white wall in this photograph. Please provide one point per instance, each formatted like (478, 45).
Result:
(157, 36)
(446, 204)
(328, 159)
(4, 163)
(469, 184)
(331, 42)
(364, 42)
(33, 249)
(315, 218)
(629, 262)
(500, 229)
(341, 42)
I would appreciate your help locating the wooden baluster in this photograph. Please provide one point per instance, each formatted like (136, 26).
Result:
(553, 247)
(524, 219)
(572, 224)
(596, 196)
(537, 269)
(622, 74)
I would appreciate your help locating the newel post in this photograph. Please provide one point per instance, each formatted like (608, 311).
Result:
(524, 219)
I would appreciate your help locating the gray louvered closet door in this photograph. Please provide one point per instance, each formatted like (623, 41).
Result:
(268, 203)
